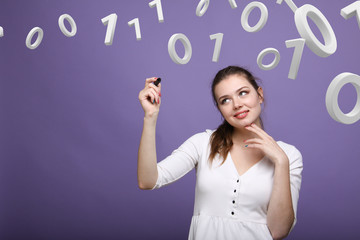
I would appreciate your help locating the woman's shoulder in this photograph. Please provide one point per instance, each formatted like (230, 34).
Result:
(285, 145)
(202, 136)
(291, 151)
(197, 141)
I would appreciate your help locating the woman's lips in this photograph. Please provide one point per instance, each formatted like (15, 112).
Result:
(241, 115)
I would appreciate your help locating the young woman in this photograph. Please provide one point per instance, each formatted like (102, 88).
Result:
(247, 184)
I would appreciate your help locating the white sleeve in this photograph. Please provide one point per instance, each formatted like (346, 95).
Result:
(296, 167)
(180, 162)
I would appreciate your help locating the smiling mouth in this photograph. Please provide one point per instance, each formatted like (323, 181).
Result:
(242, 114)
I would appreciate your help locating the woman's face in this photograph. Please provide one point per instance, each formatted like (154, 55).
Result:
(238, 101)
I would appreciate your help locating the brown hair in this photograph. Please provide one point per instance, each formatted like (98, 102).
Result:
(221, 140)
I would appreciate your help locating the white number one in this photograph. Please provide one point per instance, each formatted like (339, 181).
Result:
(290, 3)
(159, 10)
(351, 10)
(218, 37)
(298, 44)
(1, 32)
(110, 21)
(233, 4)
(135, 22)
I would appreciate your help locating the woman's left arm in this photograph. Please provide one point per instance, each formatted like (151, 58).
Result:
(280, 215)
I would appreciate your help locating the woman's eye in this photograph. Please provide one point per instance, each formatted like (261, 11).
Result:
(242, 93)
(225, 100)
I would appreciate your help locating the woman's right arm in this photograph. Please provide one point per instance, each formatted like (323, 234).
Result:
(149, 99)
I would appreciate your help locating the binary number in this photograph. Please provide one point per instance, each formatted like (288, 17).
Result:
(172, 51)
(352, 10)
(290, 3)
(332, 94)
(110, 21)
(135, 22)
(63, 29)
(233, 4)
(245, 17)
(201, 9)
(322, 50)
(265, 52)
(38, 40)
(298, 44)
(301, 16)
(218, 41)
(159, 10)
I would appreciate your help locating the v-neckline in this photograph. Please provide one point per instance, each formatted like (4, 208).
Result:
(248, 170)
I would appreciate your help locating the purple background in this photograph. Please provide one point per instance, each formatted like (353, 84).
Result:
(71, 121)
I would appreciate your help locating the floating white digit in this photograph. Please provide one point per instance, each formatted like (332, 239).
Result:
(274, 63)
(218, 42)
(172, 51)
(201, 9)
(63, 28)
(135, 22)
(324, 26)
(290, 3)
(1, 32)
(245, 16)
(298, 44)
(159, 10)
(110, 21)
(233, 4)
(332, 95)
(351, 10)
(38, 39)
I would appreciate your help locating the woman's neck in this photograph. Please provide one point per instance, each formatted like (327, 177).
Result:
(241, 134)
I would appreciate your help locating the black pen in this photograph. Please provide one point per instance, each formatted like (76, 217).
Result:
(156, 83)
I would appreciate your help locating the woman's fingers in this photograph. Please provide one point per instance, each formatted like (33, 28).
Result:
(149, 80)
(149, 83)
(154, 96)
(150, 97)
(253, 140)
(254, 143)
(266, 144)
(149, 94)
(157, 89)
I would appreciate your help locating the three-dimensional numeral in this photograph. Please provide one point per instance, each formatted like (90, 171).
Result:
(110, 21)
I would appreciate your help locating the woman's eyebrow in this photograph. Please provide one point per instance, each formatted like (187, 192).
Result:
(241, 88)
(235, 91)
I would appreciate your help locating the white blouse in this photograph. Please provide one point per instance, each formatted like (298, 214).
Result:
(228, 205)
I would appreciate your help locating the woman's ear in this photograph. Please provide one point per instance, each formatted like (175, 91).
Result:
(261, 94)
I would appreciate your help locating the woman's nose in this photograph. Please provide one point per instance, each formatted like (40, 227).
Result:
(237, 103)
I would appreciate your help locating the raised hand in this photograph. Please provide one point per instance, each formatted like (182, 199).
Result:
(266, 144)
(150, 97)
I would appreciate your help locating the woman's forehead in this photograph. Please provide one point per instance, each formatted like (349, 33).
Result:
(231, 84)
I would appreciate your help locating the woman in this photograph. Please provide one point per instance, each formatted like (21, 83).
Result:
(247, 184)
